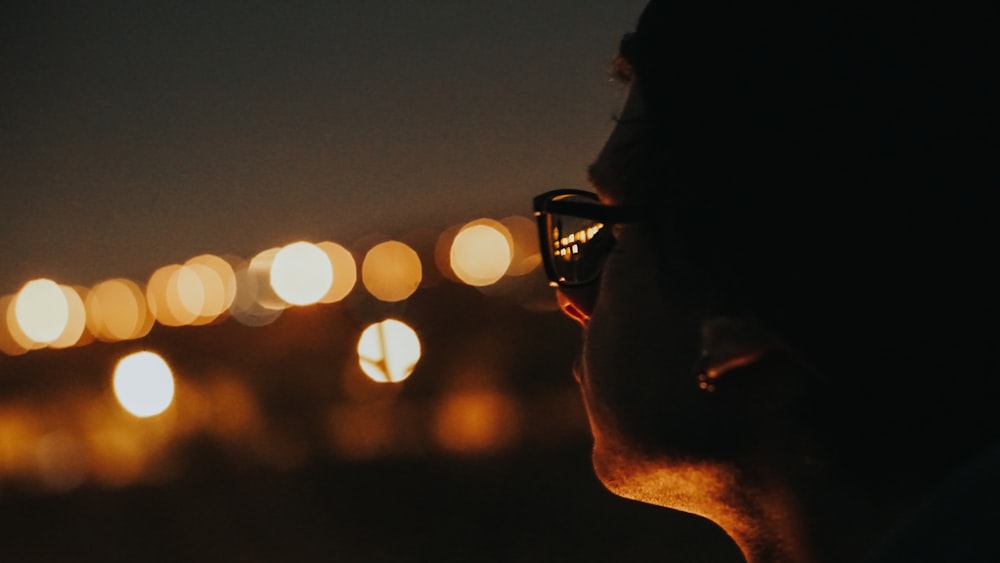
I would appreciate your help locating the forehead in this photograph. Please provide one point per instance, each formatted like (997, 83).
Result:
(610, 172)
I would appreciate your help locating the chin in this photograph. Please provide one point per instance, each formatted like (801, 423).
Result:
(696, 488)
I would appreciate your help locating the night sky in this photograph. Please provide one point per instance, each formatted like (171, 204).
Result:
(135, 134)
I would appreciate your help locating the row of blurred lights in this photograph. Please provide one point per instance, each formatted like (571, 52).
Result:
(75, 439)
(160, 409)
(207, 287)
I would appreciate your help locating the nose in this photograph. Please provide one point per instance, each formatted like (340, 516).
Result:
(577, 303)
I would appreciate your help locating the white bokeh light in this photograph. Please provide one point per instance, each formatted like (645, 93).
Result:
(301, 273)
(144, 384)
(41, 310)
(388, 351)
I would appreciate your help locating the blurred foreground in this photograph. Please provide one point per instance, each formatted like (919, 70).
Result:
(277, 447)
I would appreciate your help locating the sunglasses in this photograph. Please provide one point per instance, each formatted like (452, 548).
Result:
(575, 236)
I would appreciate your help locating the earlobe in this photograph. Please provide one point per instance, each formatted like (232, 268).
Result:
(728, 343)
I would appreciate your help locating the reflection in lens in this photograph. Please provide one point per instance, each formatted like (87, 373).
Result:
(579, 247)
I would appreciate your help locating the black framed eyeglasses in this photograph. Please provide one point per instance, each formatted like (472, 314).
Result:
(575, 236)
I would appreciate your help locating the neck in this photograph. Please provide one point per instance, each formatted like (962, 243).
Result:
(814, 517)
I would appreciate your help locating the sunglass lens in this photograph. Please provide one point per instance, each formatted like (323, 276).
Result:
(578, 248)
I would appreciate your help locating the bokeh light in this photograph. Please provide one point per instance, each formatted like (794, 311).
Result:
(388, 351)
(117, 310)
(143, 384)
(156, 295)
(476, 421)
(442, 252)
(301, 273)
(215, 284)
(391, 271)
(246, 307)
(259, 271)
(13, 342)
(345, 271)
(76, 322)
(481, 252)
(186, 294)
(41, 310)
(524, 237)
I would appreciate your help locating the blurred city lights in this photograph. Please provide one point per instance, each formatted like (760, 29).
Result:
(76, 322)
(442, 252)
(481, 252)
(41, 310)
(301, 273)
(214, 282)
(13, 342)
(186, 294)
(476, 421)
(524, 237)
(81, 436)
(246, 307)
(220, 297)
(143, 384)
(259, 275)
(117, 310)
(391, 271)
(345, 271)
(388, 351)
(156, 295)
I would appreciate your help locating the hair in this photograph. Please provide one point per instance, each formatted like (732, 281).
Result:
(830, 171)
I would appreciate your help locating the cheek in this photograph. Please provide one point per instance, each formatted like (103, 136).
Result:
(639, 351)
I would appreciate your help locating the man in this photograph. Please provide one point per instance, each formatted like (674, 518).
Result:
(785, 277)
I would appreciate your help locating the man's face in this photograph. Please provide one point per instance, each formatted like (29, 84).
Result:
(641, 334)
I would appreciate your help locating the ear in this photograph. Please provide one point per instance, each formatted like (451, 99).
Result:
(728, 343)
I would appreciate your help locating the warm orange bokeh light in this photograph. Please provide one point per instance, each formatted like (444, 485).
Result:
(215, 285)
(186, 294)
(13, 342)
(524, 236)
(195, 293)
(391, 271)
(345, 271)
(156, 295)
(76, 323)
(301, 273)
(259, 271)
(221, 296)
(117, 310)
(481, 252)
(388, 351)
(476, 421)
